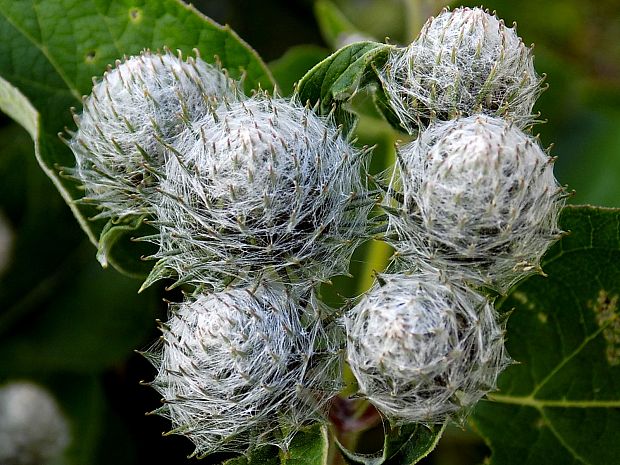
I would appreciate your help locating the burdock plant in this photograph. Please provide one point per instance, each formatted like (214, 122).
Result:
(251, 201)
(423, 350)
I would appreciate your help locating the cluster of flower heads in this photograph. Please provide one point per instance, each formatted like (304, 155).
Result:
(257, 199)
(472, 204)
(254, 200)
(237, 186)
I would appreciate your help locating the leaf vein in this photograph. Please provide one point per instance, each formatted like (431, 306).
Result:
(565, 360)
(44, 50)
(106, 21)
(561, 440)
(530, 401)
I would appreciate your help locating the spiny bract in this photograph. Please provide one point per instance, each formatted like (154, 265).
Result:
(270, 188)
(33, 430)
(479, 200)
(423, 350)
(464, 61)
(239, 369)
(130, 117)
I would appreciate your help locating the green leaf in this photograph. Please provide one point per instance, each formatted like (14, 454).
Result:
(404, 445)
(268, 455)
(52, 48)
(561, 403)
(291, 67)
(59, 309)
(13, 103)
(337, 78)
(118, 237)
(335, 27)
(308, 447)
(43, 229)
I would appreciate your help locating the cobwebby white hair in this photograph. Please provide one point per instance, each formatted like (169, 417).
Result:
(423, 350)
(265, 188)
(479, 200)
(464, 61)
(130, 117)
(239, 369)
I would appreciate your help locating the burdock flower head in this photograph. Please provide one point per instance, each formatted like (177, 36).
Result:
(129, 118)
(464, 62)
(476, 198)
(423, 350)
(266, 188)
(243, 368)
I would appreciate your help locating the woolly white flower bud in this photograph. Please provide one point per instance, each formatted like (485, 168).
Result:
(33, 430)
(239, 369)
(423, 350)
(269, 186)
(479, 200)
(131, 115)
(464, 62)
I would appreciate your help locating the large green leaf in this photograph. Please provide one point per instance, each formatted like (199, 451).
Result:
(561, 403)
(29, 206)
(404, 445)
(263, 456)
(309, 447)
(52, 48)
